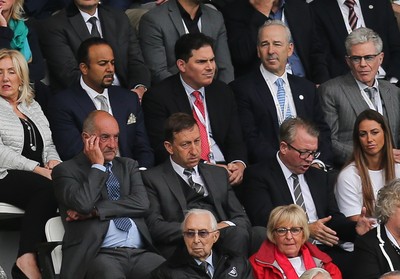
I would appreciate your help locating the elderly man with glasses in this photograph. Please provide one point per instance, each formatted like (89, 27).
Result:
(199, 258)
(289, 179)
(344, 97)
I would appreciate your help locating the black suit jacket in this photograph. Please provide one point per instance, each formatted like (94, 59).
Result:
(81, 188)
(242, 22)
(68, 109)
(378, 15)
(168, 202)
(369, 260)
(265, 188)
(63, 33)
(169, 97)
(259, 119)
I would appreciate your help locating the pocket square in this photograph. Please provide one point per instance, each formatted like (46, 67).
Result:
(131, 119)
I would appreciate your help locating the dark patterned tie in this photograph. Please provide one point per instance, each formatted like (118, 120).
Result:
(95, 32)
(371, 94)
(205, 146)
(352, 15)
(103, 102)
(205, 265)
(123, 223)
(195, 186)
(297, 192)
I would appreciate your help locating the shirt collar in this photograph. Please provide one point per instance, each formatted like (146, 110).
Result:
(189, 90)
(179, 169)
(92, 93)
(208, 260)
(185, 14)
(271, 77)
(286, 172)
(86, 16)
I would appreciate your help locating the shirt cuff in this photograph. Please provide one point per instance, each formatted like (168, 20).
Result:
(99, 167)
(231, 224)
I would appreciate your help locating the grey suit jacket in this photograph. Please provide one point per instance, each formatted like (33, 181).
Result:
(168, 202)
(342, 102)
(162, 26)
(81, 188)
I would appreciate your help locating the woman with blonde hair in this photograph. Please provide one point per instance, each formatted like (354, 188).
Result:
(27, 157)
(371, 166)
(286, 253)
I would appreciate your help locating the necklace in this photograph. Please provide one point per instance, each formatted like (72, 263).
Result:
(32, 134)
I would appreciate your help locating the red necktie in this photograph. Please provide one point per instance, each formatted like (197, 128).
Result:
(352, 15)
(205, 146)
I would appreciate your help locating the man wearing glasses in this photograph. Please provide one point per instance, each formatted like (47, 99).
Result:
(344, 97)
(288, 179)
(199, 258)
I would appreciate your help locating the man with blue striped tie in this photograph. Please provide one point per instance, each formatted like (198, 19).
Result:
(102, 202)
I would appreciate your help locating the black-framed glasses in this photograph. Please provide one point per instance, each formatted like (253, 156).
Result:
(200, 233)
(284, 231)
(355, 59)
(305, 154)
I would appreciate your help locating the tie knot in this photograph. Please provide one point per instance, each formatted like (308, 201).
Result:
(279, 82)
(101, 97)
(197, 95)
(349, 3)
(92, 20)
(188, 172)
(370, 91)
(108, 166)
(294, 176)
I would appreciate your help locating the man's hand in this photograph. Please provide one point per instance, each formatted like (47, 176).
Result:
(75, 216)
(140, 90)
(235, 173)
(43, 172)
(51, 164)
(363, 223)
(322, 233)
(92, 150)
(396, 154)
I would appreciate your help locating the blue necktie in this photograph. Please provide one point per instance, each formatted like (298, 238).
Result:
(281, 97)
(123, 223)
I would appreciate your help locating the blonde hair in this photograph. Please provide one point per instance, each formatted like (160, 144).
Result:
(292, 214)
(21, 68)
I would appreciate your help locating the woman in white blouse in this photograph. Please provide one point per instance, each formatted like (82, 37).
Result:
(371, 166)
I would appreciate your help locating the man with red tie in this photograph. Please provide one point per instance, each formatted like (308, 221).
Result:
(211, 102)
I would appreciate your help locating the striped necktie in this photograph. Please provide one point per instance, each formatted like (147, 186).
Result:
(298, 196)
(281, 96)
(352, 15)
(199, 189)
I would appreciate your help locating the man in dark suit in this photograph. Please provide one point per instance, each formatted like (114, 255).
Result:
(69, 108)
(161, 27)
(258, 97)
(214, 108)
(62, 34)
(199, 258)
(331, 19)
(344, 97)
(182, 183)
(102, 204)
(288, 178)
(243, 18)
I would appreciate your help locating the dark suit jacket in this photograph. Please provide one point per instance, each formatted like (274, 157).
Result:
(63, 33)
(68, 109)
(81, 188)
(260, 121)
(168, 202)
(378, 15)
(169, 97)
(242, 22)
(265, 188)
(369, 261)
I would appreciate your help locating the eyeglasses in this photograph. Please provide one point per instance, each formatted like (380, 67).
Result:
(284, 231)
(355, 59)
(305, 154)
(201, 233)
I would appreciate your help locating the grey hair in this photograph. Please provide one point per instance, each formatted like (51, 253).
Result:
(275, 22)
(390, 273)
(363, 35)
(311, 273)
(288, 129)
(198, 211)
(388, 199)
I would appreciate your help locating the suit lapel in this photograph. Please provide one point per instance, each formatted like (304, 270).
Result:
(352, 92)
(107, 26)
(298, 98)
(79, 25)
(172, 181)
(367, 8)
(389, 105)
(264, 94)
(206, 27)
(280, 182)
(82, 100)
(181, 98)
(175, 16)
(332, 11)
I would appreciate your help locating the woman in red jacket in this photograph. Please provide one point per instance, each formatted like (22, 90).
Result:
(286, 253)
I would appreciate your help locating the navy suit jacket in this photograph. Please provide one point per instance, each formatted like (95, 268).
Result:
(169, 97)
(68, 109)
(265, 187)
(378, 15)
(260, 121)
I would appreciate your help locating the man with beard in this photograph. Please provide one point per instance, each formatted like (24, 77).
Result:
(69, 108)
